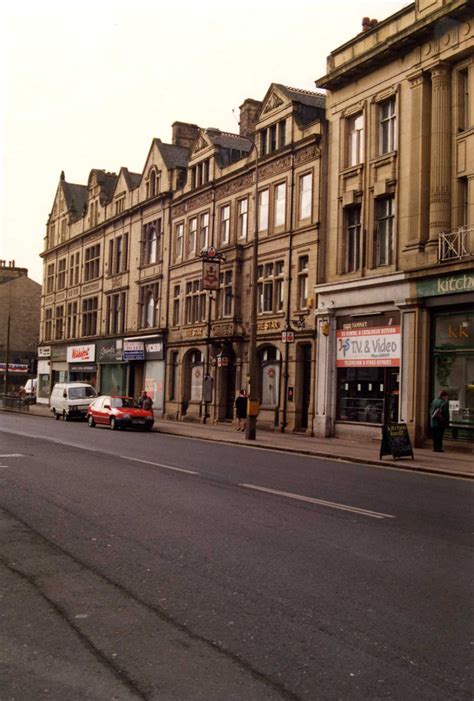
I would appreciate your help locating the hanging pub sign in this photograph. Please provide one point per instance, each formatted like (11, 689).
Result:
(210, 274)
(396, 441)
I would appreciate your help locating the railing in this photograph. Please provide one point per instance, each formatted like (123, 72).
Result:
(457, 244)
(14, 403)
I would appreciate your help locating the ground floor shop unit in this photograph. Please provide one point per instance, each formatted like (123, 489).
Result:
(385, 348)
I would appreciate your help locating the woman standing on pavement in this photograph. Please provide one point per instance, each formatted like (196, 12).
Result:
(439, 419)
(241, 410)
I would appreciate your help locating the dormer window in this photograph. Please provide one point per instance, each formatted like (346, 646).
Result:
(273, 138)
(200, 174)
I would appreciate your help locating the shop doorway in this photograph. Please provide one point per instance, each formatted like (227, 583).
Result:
(303, 386)
(228, 389)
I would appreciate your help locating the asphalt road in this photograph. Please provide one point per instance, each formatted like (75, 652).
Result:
(145, 566)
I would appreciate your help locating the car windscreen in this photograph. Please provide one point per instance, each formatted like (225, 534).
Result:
(123, 403)
(82, 392)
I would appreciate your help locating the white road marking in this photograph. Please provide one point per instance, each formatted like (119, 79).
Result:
(320, 502)
(12, 455)
(158, 464)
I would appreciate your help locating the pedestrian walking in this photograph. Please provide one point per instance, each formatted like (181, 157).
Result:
(241, 410)
(144, 401)
(439, 419)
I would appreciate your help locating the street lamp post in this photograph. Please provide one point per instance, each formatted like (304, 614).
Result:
(253, 369)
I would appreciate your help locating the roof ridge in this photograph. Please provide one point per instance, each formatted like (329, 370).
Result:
(304, 92)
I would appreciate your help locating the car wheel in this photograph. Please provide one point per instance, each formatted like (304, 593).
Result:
(56, 415)
(91, 421)
(113, 424)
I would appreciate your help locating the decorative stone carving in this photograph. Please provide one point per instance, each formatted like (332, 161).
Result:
(272, 103)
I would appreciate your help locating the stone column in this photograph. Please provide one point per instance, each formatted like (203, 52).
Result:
(441, 143)
(325, 389)
(419, 175)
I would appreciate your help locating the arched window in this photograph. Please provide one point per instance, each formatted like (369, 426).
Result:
(269, 376)
(196, 368)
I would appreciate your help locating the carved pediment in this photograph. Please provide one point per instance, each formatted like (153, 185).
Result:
(200, 145)
(272, 103)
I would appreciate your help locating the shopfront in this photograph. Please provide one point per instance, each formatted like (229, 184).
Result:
(43, 389)
(113, 369)
(368, 353)
(81, 363)
(59, 365)
(154, 372)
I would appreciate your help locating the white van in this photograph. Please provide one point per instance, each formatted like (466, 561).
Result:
(31, 387)
(71, 400)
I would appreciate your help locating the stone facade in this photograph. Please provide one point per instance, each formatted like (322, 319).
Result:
(123, 265)
(400, 226)
(20, 300)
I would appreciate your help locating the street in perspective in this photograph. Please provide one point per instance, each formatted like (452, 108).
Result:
(156, 566)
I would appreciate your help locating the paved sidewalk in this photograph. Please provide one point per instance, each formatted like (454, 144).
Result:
(449, 463)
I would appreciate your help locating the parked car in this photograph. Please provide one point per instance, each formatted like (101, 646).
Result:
(119, 412)
(71, 400)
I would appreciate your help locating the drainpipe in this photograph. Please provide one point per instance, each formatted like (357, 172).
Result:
(284, 422)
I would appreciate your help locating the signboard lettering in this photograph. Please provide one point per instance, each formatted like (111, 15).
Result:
(81, 354)
(368, 347)
(396, 441)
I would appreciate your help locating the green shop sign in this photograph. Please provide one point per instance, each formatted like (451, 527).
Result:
(452, 284)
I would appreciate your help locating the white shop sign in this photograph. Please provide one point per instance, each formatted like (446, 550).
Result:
(369, 347)
(81, 354)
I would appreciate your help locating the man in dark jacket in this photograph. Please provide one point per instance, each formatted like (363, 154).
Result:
(145, 402)
(439, 419)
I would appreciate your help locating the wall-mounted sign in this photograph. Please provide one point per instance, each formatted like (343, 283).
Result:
(210, 275)
(109, 351)
(287, 336)
(44, 351)
(370, 347)
(154, 348)
(133, 350)
(81, 354)
(448, 285)
(21, 368)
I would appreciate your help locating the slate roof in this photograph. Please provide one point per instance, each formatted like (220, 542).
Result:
(304, 97)
(76, 197)
(173, 156)
(230, 141)
(132, 179)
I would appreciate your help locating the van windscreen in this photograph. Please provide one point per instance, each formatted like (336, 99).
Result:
(81, 392)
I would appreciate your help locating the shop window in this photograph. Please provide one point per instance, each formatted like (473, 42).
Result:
(387, 126)
(367, 394)
(355, 140)
(453, 368)
(269, 377)
(383, 240)
(91, 262)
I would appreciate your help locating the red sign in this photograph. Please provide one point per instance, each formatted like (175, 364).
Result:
(210, 275)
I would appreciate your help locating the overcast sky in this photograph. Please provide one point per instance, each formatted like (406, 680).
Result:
(90, 84)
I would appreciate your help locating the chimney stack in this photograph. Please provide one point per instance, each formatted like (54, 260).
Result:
(249, 110)
(184, 134)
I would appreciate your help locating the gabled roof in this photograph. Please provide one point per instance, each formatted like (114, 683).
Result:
(304, 97)
(173, 156)
(132, 179)
(76, 197)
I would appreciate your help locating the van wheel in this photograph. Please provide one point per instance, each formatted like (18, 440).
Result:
(65, 416)
(113, 424)
(56, 415)
(91, 422)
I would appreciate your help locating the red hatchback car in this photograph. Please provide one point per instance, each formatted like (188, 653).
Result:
(119, 412)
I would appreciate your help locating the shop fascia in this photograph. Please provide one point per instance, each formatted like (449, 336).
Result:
(143, 348)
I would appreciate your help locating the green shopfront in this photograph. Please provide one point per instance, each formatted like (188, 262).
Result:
(450, 301)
